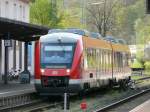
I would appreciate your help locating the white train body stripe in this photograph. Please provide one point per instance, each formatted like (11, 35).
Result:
(71, 81)
(37, 81)
(75, 81)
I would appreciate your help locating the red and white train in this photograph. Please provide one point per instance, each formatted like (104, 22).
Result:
(72, 61)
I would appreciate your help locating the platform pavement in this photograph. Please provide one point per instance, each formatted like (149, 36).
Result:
(144, 107)
(15, 88)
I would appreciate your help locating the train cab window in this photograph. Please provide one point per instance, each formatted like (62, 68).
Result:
(56, 55)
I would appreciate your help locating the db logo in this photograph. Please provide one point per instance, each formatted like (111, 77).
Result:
(54, 72)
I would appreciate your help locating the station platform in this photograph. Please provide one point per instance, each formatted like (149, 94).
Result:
(145, 107)
(12, 89)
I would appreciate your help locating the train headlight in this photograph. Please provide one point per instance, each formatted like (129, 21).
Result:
(68, 70)
(42, 71)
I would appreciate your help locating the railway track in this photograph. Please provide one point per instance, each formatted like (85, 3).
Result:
(8, 103)
(43, 107)
(122, 101)
(37, 105)
(48, 106)
(40, 105)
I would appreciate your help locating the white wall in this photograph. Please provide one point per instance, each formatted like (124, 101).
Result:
(16, 10)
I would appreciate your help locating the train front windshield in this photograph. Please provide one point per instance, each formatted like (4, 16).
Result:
(58, 55)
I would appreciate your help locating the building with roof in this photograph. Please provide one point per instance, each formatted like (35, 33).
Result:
(13, 10)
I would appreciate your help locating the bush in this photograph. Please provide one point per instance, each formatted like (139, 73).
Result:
(136, 64)
(147, 65)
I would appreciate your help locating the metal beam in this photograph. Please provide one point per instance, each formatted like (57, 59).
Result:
(20, 55)
(7, 37)
(26, 56)
(14, 54)
(0, 57)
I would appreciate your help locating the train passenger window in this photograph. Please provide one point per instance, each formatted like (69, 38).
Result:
(125, 60)
(89, 58)
(97, 59)
(121, 60)
(104, 61)
(94, 59)
(118, 61)
(115, 61)
(109, 60)
(100, 60)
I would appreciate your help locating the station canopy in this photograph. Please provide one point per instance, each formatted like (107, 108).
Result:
(20, 31)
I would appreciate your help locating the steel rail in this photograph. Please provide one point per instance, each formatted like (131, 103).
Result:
(36, 109)
(115, 104)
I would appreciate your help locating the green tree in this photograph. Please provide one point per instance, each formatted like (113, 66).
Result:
(142, 28)
(102, 15)
(126, 17)
(72, 12)
(44, 12)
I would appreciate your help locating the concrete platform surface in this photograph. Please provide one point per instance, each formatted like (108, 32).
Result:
(145, 107)
(11, 89)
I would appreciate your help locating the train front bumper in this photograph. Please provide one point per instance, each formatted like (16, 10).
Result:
(73, 87)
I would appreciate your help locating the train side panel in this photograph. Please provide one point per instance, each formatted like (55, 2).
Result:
(96, 53)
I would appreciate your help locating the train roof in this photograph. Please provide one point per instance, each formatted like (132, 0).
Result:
(96, 35)
(120, 48)
(94, 39)
(96, 43)
(115, 40)
(63, 36)
(77, 31)
(71, 30)
(88, 34)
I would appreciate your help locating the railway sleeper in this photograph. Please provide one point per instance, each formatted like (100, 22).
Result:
(13, 101)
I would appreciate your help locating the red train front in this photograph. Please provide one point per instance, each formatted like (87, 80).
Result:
(58, 59)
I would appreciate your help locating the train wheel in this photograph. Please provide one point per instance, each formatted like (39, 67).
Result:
(123, 84)
(111, 84)
(82, 93)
